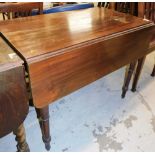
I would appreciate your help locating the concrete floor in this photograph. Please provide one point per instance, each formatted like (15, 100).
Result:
(95, 118)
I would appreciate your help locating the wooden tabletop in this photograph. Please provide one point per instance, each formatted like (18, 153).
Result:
(8, 57)
(51, 33)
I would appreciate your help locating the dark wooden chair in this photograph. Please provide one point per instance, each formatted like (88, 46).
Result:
(21, 9)
(146, 10)
(125, 7)
(103, 4)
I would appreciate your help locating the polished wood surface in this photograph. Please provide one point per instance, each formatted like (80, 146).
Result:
(34, 36)
(8, 57)
(13, 95)
(70, 71)
(64, 55)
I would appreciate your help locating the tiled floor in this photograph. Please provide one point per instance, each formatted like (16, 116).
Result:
(95, 118)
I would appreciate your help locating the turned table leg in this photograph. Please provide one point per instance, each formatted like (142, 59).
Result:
(22, 145)
(128, 75)
(43, 117)
(138, 72)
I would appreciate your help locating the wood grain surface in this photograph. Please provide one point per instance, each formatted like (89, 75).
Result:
(66, 51)
(39, 35)
(13, 95)
(62, 74)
